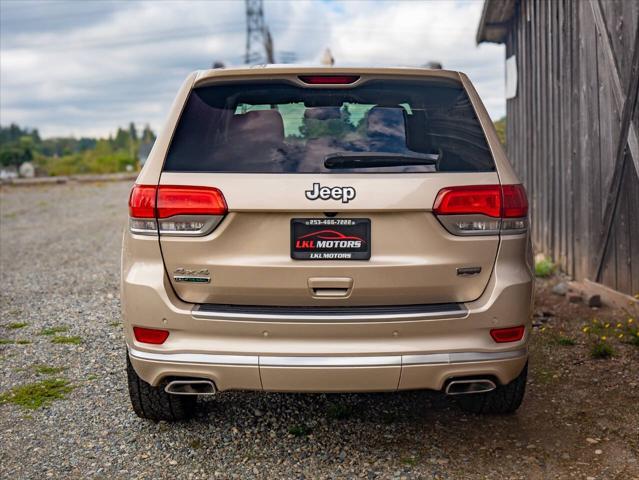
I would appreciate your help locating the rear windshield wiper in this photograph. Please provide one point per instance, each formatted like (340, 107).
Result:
(378, 159)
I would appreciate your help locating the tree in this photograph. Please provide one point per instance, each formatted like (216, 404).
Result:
(133, 133)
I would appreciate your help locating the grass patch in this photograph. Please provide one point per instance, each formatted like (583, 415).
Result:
(566, 341)
(47, 370)
(16, 325)
(53, 330)
(92, 377)
(410, 461)
(36, 395)
(544, 268)
(115, 324)
(339, 411)
(601, 350)
(6, 341)
(66, 340)
(300, 430)
(23, 342)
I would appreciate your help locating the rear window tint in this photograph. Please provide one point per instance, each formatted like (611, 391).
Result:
(279, 127)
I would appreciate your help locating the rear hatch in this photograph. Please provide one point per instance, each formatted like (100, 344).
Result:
(312, 191)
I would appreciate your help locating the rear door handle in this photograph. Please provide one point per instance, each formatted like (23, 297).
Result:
(330, 287)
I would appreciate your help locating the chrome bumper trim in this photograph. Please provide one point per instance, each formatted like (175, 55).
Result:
(248, 317)
(328, 361)
(462, 357)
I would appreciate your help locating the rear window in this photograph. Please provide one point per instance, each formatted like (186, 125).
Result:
(382, 126)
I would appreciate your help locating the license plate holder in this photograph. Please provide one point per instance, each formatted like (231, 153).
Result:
(330, 238)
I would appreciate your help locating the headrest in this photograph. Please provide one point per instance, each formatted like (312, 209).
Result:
(258, 126)
(386, 121)
(322, 113)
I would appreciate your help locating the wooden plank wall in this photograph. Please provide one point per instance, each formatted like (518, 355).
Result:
(562, 132)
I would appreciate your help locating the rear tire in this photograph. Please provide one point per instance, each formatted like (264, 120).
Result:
(504, 399)
(153, 403)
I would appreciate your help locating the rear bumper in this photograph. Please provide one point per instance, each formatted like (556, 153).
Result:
(329, 373)
(382, 351)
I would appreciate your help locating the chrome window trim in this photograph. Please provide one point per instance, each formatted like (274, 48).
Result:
(328, 361)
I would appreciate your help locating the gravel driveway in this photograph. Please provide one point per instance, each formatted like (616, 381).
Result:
(60, 273)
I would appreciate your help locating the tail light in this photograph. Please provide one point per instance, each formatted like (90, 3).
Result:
(329, 79)
(175, 210)
(505, 335)
(150, 335)
(482, 209)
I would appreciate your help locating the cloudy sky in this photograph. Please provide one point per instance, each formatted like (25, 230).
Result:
(86, 67)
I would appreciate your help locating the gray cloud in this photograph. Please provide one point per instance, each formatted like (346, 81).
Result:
(83, 68)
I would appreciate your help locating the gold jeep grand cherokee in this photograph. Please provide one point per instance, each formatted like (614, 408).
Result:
(326, 230)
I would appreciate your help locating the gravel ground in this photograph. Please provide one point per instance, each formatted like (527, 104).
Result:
(60, 268)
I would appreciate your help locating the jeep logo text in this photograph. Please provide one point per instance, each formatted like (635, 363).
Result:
(345, 194)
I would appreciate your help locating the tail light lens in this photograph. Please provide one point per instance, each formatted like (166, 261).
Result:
(150, 335)
(482, 209)
(175, 210)
(329, 79)
(505, 335)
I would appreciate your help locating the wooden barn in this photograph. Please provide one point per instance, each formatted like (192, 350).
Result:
(572, 73)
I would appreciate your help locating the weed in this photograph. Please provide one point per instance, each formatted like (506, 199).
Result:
(47, 370)
(53, 330)
(410, 461)
(23, 342)
(601, 350)
(64, 340)
(565, 341)
(36, 395)
(339, 411)
(92, 377)
(5, 341)
(299, 430)
(195, 443)
(544, 268)
(16, 325)
(115, 324)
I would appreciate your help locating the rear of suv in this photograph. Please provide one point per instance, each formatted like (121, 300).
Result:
(326, 230)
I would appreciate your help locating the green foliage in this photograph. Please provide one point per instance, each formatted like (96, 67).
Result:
(601, 350)
(500, 126)
(36, 395)
(47, 370)
(70, 156)
(339, 411)
(565, 341)
(53, 330)
(62, 339)
(544, 268)
(300, 430)
(16, 325)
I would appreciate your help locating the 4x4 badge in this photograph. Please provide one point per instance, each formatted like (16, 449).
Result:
(345, 194)
(193, 276)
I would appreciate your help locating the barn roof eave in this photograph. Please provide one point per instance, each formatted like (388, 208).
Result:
(495, 21)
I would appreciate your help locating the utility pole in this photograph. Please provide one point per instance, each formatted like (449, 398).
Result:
(259, 43)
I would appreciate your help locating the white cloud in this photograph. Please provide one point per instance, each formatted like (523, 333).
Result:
(84, 71)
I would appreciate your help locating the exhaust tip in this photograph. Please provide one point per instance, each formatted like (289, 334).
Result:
(191, 387)
(463, 387)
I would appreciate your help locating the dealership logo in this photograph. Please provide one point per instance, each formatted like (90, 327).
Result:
(327, 239)
(345, 194)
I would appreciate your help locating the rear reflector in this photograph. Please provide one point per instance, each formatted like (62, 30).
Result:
(329, 79)
(511, 334)
(150, 335)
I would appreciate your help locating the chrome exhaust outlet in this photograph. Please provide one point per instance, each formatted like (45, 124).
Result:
(191, 387)
(463, 387)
